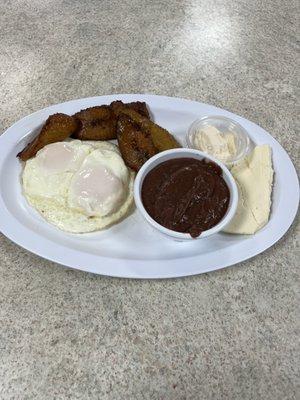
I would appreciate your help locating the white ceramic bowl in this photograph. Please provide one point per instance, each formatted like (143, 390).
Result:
(180, 153)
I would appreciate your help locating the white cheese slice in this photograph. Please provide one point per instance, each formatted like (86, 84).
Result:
(254, 178)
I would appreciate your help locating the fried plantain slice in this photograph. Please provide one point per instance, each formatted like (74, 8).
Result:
(58, 127)
(138, 106)
(161, 138)
(100, 122)
(135, 145)
(96, 123)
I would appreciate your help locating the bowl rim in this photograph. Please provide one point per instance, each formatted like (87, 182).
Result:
(185, 152)
(200, 120)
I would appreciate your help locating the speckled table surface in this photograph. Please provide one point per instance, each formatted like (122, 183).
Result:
(232, 334)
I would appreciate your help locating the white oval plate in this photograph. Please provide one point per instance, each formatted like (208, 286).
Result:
(132, 248)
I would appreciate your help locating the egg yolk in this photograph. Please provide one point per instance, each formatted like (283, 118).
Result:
(60, 157)
(97, 191)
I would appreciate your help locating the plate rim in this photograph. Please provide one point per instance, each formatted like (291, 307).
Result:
(135, 271)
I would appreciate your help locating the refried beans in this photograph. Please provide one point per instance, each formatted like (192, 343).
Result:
(186, 195)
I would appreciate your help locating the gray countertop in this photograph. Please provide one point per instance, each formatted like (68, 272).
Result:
(231, 334)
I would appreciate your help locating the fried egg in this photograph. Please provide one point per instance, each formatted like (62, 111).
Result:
(79, 186)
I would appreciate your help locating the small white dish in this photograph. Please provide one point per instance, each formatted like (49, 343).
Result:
(225, 126)
(181, 153)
